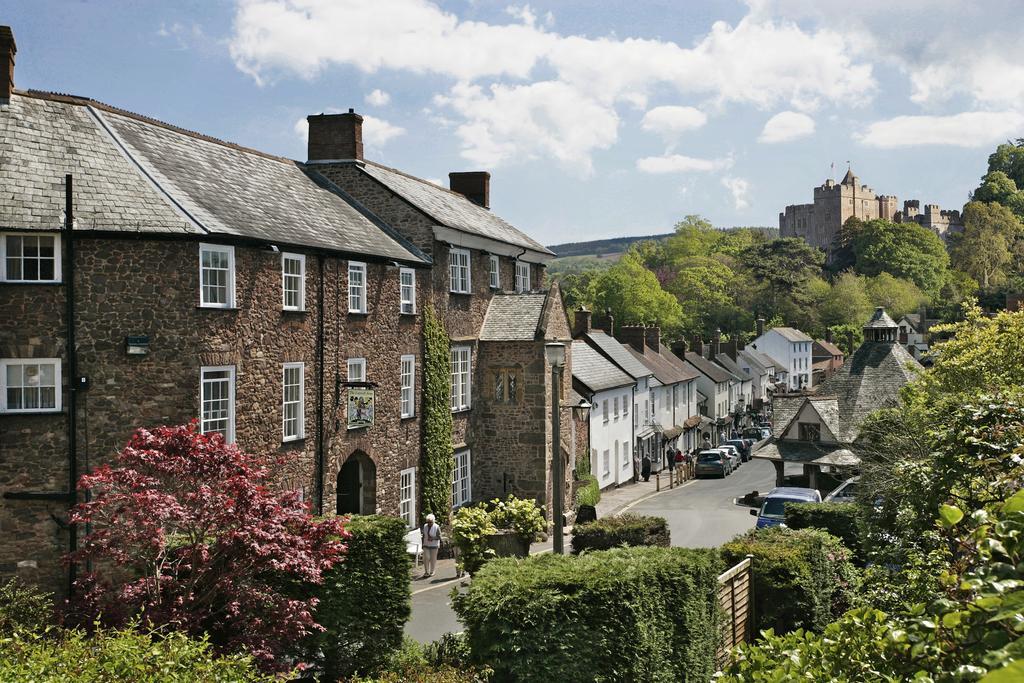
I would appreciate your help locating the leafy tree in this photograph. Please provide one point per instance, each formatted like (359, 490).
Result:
(704, 289)
(187, 534)
(633, 294)
(779, 268)
(848, 301)
(694, 237)
(1009, 159)
(898, 296)
(985, 249)
(904, 250)
(843, 256)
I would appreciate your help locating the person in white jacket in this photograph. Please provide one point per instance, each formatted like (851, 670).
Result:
(431, 542)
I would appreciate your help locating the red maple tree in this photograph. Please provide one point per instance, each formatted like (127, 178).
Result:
(186, 533)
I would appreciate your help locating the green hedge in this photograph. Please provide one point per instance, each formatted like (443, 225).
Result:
(802, 578)
(24, 608)
(629, 614)
(842, 520)
(365, 600)
(620, 530)
(589, 493)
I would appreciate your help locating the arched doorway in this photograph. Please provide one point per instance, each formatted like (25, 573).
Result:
(357, 486)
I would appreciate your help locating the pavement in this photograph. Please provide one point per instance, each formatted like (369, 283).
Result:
(701, 513)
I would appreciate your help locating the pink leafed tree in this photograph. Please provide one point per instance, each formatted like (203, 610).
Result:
(187, 533)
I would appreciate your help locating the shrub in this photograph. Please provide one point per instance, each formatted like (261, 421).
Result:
(521, 515)
(590, 493)
(438, 662)
(364, 601)
(631, 614)
(802, 578)
(121, 655)
(842, 520)
(612, 532)
(470, 528)
(24, 608)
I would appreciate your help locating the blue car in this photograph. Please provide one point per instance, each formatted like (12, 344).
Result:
(773, 510)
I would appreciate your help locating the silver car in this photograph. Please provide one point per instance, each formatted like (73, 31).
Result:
(734, 455)
(845, 492)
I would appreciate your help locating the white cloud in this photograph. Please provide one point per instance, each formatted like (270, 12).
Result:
(677, 163)
(739, 188)
(670, 121)
(376, 132)
(378, 98)
(968, 129)
(786, 126)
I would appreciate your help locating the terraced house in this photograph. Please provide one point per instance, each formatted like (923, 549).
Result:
(153, 275)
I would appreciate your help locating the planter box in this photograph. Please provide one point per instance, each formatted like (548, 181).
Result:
(509, 544)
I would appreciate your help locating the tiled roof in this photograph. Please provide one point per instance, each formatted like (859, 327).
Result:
(784, 409)
(756, 358)
(688, 370)
(880, 320)
(804, 451)
(827, 347)
(513, 317)
(792, 334)
(715, 373)
(617, 353)
(449, 208)
(664, 371)
(730, 365)
(594, 371)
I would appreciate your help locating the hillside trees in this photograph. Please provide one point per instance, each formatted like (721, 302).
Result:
(991, 243)
(633, 294)
(904, 250)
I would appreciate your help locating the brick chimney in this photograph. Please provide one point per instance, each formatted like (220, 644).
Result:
(606, 323)
(634, 335)
(716, 344)
(581, 322)
(732, 347)
(828, 334)
(7, 52)
(473, 185)
(760, 327)
(653, 338)
(335, 136)
(698, 345)
(680, 348)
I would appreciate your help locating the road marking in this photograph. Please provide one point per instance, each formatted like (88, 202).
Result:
(652, 495)
(466, 578)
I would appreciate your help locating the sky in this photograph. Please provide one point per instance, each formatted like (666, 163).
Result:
(595, 118)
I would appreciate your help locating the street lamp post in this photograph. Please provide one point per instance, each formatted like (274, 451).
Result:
(554, 352)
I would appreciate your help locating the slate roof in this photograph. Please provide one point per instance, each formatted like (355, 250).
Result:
(827, 347)
(617, 353)
(792, 334)
(804, 451)
(136, 174)
(827, 408)
(880, 320)
(730, 365)
(664, 371)
(513, 317)
(688, 370)
(784, 409)
(755, 357)
(449, 208)
(715, 373)
(594, 371)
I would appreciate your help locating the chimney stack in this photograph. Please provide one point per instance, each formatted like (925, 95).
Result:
(333, 137)
(679, 348)
(698, 345)
(716, 344)
(605, 322)
(828, 334)
(760, 327)
(7, 52)
(732, 347)
(581, 322)
(634, 335)
(473, 185)
(653, 338)
(849, 342)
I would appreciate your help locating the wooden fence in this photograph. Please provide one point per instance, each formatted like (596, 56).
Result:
(736, 597)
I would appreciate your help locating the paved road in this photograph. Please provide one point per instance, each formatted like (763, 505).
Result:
(700, 514)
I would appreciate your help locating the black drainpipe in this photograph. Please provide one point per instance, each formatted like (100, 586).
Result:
(320, 390)
(69, 295)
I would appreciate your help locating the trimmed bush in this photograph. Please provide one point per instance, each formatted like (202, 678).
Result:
(439, 662)
(842, 520)
(620, 530)
(24, 608)
(629, 614)
(802, 578)
(364, 600)
(122, 655)
(589, 493)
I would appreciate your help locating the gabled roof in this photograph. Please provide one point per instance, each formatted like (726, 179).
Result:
(450, 209)
(792, 334)
(757, 359)
(880, 320)
(827, 347)
(688, 370)
(594, 371)
(784, 409)
(617, 353)
(730, 365)
(715, 373)
(849, 178)
(664, 371)
(827, 409)
(513, 317)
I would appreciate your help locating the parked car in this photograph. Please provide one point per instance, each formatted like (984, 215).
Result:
(766, 433)
(712, 463)
(742, 446)
(734, 454)
(752, 433)
(845, 492)
(773, 510)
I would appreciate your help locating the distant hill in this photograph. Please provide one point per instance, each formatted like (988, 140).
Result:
(617, 245)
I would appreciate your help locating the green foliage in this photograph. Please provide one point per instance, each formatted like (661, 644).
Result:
(802, 578)
(842, 520)
(1000, 188)
(521, 515)
(620, 530)
(589, 494)
(779, 268)
(438, 457)
(991, 243)
(633, 295)
(898, 296)
(904, 250)
(364, 601)
(439, 662)
(24, 608)
(630, 614)
(892, 587)
(121, 655)
(470, 528)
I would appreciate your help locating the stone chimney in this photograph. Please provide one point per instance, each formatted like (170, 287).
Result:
(849, 342)
(335, 136)
(904, 337)
(581, 322)
(7, 52)
(679, 348)
(473, 185)
(760, 327)
(732, 347)
(716, 344)
(698, 345)
(923, 312)
(828, 334)
(605, 322)
(653, 338)
(634, 335)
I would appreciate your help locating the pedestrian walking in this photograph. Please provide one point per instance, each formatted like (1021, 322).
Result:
(645, 470)
(431, 533)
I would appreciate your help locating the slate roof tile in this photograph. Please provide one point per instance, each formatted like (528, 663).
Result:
(513, 317)
(617, 353)
(595, 371)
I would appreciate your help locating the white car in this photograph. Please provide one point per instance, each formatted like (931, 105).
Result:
(845, 492)
(734, 455)
(766, 433)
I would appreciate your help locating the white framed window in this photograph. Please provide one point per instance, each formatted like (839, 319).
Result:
(293, 282)
(407, 496)
(462, 479)
(495, 272)
(607, 469)
(356, 369)
(627, 456)
(636, 416)
(458, 266)
(293, 402)
(30, 385)
(625, 405)
(356, 287)
(216, 276)
(616, 413)
(462, 361)
(522, 276)
(407, 290)
(408, 382)
(29, 257)
(217, 401)
(604, 409)
(617, 457)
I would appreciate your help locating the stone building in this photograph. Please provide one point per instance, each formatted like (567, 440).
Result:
(819, 223)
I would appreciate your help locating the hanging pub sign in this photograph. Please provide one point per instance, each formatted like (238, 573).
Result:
(360, 407)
